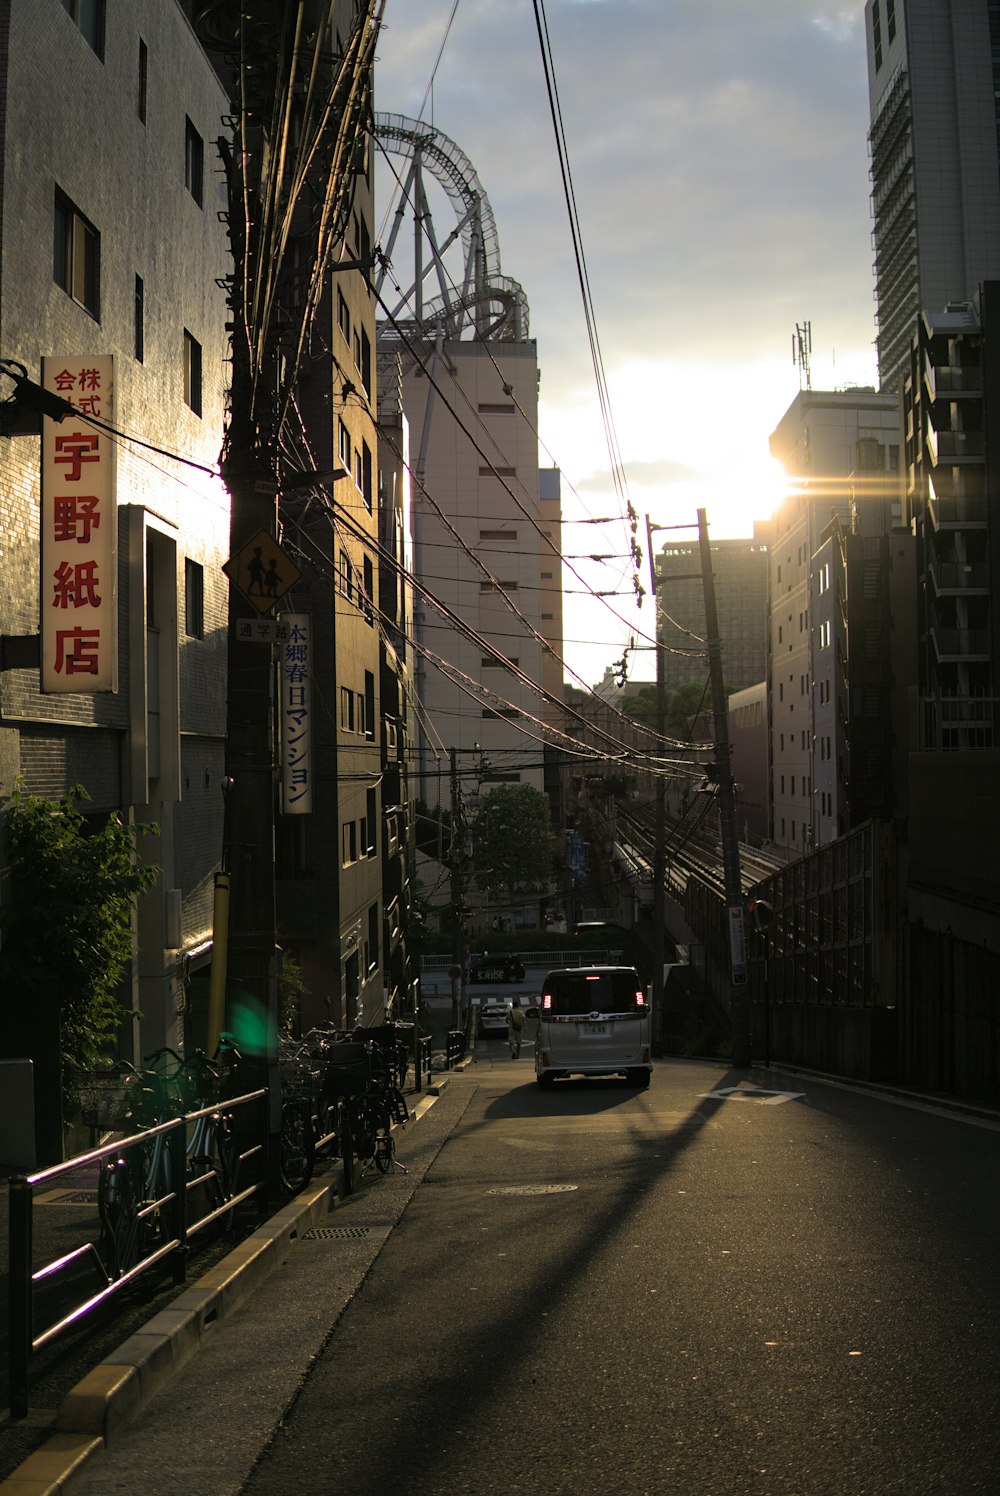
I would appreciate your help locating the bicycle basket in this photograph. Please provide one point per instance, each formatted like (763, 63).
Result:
(105, 1100)
(298, 1080)
(346, 1071)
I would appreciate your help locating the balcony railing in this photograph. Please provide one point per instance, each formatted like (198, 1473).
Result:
(954, 446)
(955, 723)
(956, 512)
(954, 646)
(952, 379)
(956, 576)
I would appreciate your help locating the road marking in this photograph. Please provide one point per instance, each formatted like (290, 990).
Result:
(533, 1189)
(751, 1093)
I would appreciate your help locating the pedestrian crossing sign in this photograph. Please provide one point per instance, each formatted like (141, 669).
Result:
(262, 571)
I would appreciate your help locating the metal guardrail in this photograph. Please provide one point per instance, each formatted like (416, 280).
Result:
(137, 1233)
(544, 960)
(421, 1060)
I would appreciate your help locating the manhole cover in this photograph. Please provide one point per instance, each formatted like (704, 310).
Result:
(335, 1233)
(533, 1189)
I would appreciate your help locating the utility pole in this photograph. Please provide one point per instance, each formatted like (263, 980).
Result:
(660, 824)
(458, 926)
(740, 991)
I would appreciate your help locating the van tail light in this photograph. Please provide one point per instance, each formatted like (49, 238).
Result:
(546, 1001)
(645, 1056)
(640, 999)
(546, 1061)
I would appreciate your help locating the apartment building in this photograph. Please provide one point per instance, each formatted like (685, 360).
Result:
(933, 78)
(821, 441)
(111, 255)
(486, 526)
(950, 403)
(740, 571)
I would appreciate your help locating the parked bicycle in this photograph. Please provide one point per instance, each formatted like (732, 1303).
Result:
(137, 1192)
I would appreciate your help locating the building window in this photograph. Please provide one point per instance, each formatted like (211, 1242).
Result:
(88, 17)
(366, 475)
(194, 599)
(344, 444)
(347, 708)
(76, 261)
(368, 596)
(365, 364)
(194, 162)
(349, 842)
(372, 936)
(192, 372)
(343, 317)
(371, 807)
(139, 320)
(369, 704)
(346, 582)
(142, 98)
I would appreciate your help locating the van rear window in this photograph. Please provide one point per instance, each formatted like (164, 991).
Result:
(569, 992)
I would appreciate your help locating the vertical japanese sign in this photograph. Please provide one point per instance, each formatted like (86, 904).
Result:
(79, 532)
(296, 715)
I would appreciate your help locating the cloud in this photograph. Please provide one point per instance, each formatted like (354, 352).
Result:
(640, 475)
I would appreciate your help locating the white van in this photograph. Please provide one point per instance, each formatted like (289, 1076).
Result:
(593, 1020)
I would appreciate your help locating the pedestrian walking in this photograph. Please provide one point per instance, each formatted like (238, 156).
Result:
(515, 1027)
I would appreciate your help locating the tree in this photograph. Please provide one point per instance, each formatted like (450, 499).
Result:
(683, 710)
(513, 840)
(67, 923)
(642, 706)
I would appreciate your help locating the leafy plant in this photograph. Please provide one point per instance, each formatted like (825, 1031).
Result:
(292, 988)
(67, 919)
(513, 839)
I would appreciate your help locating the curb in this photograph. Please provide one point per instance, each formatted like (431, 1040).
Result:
(112, 1395)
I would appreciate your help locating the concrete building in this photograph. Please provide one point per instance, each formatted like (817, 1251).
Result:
(933, 76)
(486, 526)
(740, 571)
(112, 248)
(750, 762)
(821, 441)
(951, 399)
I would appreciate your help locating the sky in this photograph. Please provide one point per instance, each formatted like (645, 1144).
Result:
(718, 151)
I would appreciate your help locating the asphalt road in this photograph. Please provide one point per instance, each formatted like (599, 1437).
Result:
(688, 1290)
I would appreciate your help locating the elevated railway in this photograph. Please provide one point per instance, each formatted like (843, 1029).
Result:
(691, 848)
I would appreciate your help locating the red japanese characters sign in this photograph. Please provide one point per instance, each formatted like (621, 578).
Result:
(79, 532)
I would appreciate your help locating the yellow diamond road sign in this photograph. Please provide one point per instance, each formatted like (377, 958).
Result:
(262, 571)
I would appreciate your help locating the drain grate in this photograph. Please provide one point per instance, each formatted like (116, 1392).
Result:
(533, 1189)
(67, 1197)
(335, 1233)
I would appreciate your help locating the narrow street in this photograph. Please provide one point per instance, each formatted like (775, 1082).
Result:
(721, 1285)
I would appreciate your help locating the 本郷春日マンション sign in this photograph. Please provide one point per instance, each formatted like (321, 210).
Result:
(295, 677)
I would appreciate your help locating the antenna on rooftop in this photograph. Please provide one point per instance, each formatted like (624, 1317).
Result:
(802, 347)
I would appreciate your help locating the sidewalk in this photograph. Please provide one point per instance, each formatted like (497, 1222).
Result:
(110, 1397)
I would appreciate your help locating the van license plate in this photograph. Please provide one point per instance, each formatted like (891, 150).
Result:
(595, 1028)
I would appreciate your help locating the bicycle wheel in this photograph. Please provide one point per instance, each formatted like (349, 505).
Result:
(385, 1143)
(385, 1148)
(120, 1191)
(298, 1153)
(346, 1139)
(402, 1064)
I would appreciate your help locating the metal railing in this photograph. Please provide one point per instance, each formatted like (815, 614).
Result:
(146, 1218)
